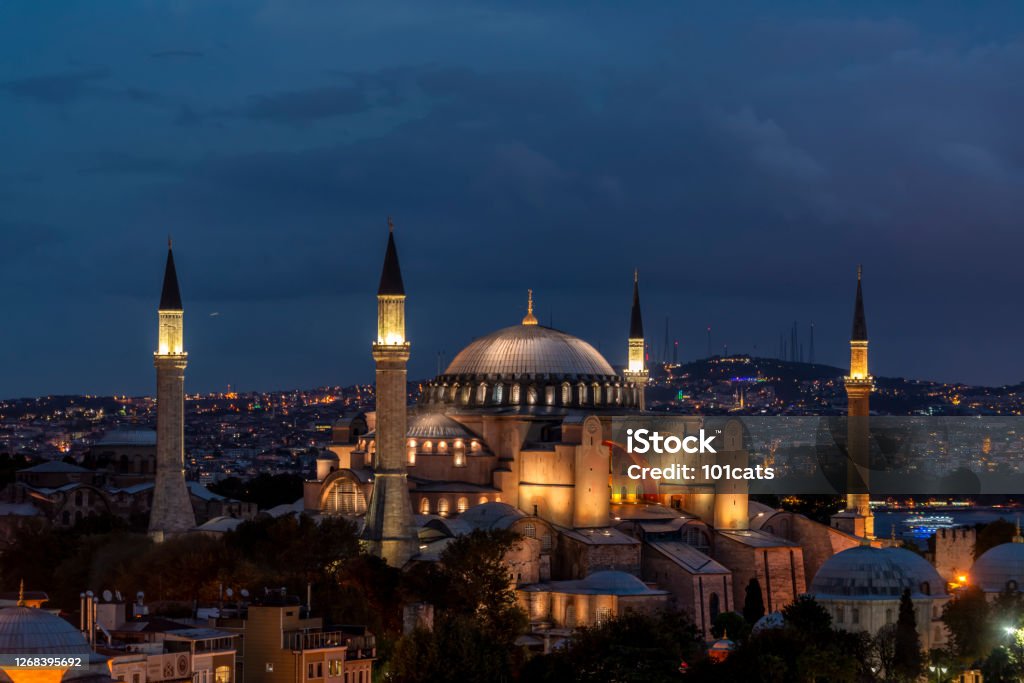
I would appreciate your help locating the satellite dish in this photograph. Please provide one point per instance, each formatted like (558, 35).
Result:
(245, 593)
(107, 596)
(230, 592)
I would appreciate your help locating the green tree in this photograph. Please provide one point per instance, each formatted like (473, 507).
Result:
(967, 618)
(908, 658)
(633, 647)
(753, 602)
(456, 650)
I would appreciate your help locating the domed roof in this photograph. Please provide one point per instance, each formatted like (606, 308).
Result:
(491, 515)
(876, 573)
(436, 426)
(28, 630)
(530, 350)
(610, 582)
(998, 566)
(770, 621)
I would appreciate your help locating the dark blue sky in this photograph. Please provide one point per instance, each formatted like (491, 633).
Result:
(746, 156)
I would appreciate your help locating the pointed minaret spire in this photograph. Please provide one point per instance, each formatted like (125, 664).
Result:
(636, 321)
(860, 323)
(170, 296)
(529, 318)
(21, 586)
(391, 275)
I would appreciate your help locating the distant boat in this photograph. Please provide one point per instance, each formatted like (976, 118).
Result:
(926, 525)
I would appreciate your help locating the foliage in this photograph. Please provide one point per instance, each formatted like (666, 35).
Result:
(967, 618)
(633, 647)
(908, 658)
(731, 625)
(753, 602)
(993, 534)
(456, 650)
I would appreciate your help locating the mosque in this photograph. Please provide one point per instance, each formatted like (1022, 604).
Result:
(517, 433)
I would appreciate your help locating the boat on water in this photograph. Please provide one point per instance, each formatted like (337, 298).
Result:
(926, 525)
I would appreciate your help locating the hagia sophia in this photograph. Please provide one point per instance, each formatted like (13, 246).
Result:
(517, 433)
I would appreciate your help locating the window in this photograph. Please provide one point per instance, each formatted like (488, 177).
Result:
(428, 447)
(319, 669)
(499, 391)
(581, 394)
(545, 542)
(442, 507)
(531, 395)
(549, 395)
(310, 669)
(462, 504)
(442, 446)
(483, 499)
(465, 395)
(530, 530)
(603, 614)
(481, 393)
(334, 668)
(854, 616)
(839, 615)
(222, 674)
(411, 455)
(474, 446)
(713, 606)
(597, 394)
(566, 394)
(888, 616)
(424, 506)
(515, 394)
(460, 453)
(136, 677)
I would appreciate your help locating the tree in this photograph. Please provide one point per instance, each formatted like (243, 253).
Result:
(753, 602)
(908, 659)
(456, 650)
(731, 625)
(633, 647)
(967, 618)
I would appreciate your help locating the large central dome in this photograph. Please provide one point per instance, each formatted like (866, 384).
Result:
(530, 350)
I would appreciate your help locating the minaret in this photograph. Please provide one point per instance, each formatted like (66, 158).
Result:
(389, 531)
(636, 374)
(172, 507)
(857, 518)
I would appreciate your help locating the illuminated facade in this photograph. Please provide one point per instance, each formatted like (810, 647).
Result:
(172, 509)
(857, 518)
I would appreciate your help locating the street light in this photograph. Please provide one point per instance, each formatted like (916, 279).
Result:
(939, 671)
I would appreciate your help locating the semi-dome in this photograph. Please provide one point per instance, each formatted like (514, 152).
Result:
(529, 350)
(880, 573)
(33, 631)
(999, 568)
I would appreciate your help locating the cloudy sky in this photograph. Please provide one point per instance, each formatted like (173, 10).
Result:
(745, 156)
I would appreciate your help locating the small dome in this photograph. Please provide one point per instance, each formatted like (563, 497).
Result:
(612, 582)
(31, 631)
(436, 426)
(530, 350)
(328, 455)
(998, 567)
(866, 572)
(768, 622)
(491, 516)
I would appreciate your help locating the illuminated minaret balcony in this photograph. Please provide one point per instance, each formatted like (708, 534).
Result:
(170, 315)
(636, 370)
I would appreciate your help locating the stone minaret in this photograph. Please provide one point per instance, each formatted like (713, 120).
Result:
(857, 518)
(172, 506)
(389, 531)
(636, 373)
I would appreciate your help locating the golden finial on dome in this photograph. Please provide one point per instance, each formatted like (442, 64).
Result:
(530, 318)
(21, 593)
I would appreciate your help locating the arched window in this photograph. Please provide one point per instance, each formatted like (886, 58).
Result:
(530, 530)
(566, 394)
(531, 395)
(442, 446)
(713, 607)
(442, 507)
(618, 394)
(424, 506)
(597, 394)
(455, 392)
(428, 446)
(411, 456)
(462, 504)
(545, 542)
(460, 453)
(515, 395)
(481, 393)
(465, 395)
(474, 446)
(581, 394)
(483, 499)
(549, 395)
(570, 615)
(499, 392)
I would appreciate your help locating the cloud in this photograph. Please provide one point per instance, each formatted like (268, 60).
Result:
(73, 86)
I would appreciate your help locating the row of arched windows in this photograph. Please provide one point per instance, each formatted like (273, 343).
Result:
(564, 394)
(444, 505)
(458, 449)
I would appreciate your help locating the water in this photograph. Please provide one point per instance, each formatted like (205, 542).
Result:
(884, 520)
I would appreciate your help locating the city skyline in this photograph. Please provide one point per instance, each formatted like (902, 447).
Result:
(745, 181)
